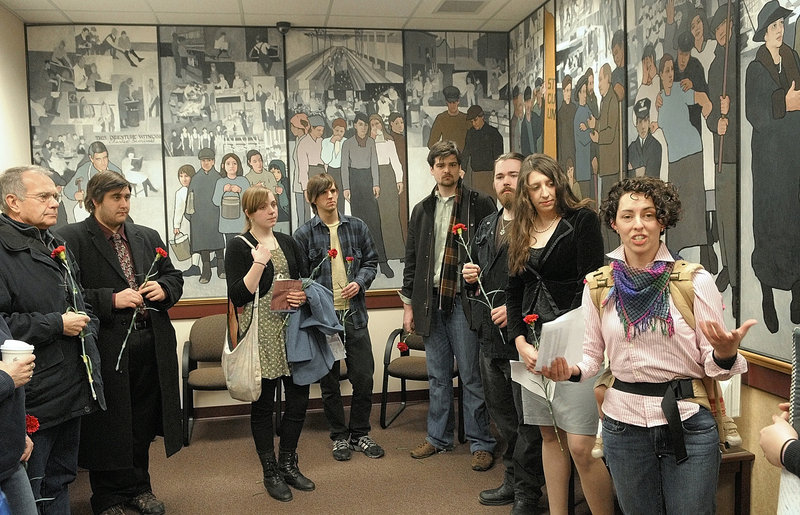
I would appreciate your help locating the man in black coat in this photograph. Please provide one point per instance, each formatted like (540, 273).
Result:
(524, 477)
(435, 305)
(140, 365)
(484, 144)
(41, 307)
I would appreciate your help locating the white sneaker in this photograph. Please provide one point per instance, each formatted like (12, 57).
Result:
(597, 450)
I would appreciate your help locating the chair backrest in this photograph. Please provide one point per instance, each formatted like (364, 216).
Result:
(207, 338)
(414, 342)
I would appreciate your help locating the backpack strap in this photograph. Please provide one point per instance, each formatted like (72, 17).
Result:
(600, 282)
(681, 288)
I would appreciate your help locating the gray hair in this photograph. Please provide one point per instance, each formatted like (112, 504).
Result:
(11, 182)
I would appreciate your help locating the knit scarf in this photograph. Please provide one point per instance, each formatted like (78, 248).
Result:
(448, 278)
(642, 297)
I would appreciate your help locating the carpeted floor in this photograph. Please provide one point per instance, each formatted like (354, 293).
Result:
(219, 473)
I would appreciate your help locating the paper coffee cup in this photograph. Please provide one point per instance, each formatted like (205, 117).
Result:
(15, 349)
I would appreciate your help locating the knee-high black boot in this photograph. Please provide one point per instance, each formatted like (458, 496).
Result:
(273, 479)
(287, 463)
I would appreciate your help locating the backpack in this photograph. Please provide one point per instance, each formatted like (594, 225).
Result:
(681, 289)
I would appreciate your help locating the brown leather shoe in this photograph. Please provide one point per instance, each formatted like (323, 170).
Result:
(482, 460)
(147, 503)
(425, 450)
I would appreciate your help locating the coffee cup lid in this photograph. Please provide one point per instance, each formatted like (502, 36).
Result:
(12, 345)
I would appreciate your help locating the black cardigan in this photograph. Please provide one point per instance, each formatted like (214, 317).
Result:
(574, 250)
(238, 261)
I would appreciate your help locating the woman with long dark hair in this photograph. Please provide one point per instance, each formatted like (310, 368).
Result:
(555, 241)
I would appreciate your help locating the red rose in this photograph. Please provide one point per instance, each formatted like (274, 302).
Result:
(530, 319)
(457, 228)
(59, 252)
(31, 422)
(402, 346)
(333, 253)
(161, 252)
(349, 259)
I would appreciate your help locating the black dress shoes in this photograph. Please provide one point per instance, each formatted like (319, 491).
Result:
(502, 495)
(525, 507)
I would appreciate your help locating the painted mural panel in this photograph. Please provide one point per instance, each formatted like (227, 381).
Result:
(224, 130)
(450, 77)
(682, 77)
(346, 96)
(770, 157)
(94, 94)
(529, 89)
(590, 126)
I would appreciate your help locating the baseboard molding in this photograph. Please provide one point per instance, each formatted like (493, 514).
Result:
(236, 410)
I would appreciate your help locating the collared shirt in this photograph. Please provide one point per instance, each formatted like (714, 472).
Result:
(355, 240)
(653, 357)
(441, 226)
(109, 235)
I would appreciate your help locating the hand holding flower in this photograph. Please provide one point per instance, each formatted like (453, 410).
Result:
(351, 290)
(153, 291)
(26, 454)
(127, 298)
(499, 317)
(527, 352)
(470, 272)
(74, 323)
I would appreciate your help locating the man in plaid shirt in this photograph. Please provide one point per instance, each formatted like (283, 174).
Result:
(348, 275)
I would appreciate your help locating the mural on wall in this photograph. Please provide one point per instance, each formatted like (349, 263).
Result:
(346, 107)
(590, 45)
(457, 86)
(532, 87)
(93, 93)
(223, 130)
(682, 111)
(770, 121)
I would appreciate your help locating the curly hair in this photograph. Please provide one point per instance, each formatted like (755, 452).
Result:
(664, 195)
(525, 213)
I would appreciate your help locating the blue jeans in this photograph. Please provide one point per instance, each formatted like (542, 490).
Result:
(450, 337)
(18, 492)
(647, 477)
(54, 464)
(360, 369)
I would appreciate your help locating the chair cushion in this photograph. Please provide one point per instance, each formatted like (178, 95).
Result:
(408, 367)
(207, 378)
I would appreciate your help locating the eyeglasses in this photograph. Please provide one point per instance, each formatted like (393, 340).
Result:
(44, 197)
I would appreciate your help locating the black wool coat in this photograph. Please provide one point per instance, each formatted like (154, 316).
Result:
(106, 437)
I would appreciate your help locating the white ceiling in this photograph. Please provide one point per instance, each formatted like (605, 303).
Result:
(485, 15)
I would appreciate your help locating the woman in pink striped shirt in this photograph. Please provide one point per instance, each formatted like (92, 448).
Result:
(663, 452)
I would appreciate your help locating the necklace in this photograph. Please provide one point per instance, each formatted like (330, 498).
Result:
(533, 226)
(503, 225)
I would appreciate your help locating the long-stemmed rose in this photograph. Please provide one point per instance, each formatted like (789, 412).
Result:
(60, 254)
(547, 384)
(160, 254)
(332, 253)
(458, 230)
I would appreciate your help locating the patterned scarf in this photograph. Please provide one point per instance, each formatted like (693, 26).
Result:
(642, 297)
(448, 278)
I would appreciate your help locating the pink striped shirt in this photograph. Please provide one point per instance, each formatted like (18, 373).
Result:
(653, 357)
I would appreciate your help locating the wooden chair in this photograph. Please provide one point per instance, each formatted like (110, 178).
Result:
(408, 367)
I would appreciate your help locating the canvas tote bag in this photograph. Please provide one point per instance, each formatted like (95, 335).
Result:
(241, 363)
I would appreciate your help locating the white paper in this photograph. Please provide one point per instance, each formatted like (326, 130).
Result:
(337, 347)
(534, 383)
(562, 337)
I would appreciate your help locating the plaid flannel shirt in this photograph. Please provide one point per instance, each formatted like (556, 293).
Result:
(314, 238)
